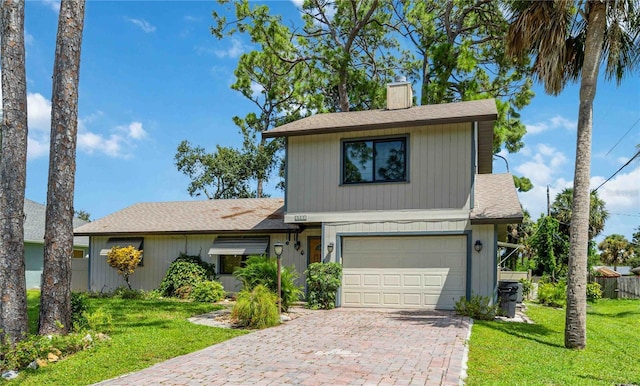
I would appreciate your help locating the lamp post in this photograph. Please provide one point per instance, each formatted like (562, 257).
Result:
(277, 248)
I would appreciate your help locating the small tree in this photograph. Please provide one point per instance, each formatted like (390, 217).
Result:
(124, 260)
(615, 250)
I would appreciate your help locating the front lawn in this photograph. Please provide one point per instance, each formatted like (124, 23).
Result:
(506, 353)
(144, 332)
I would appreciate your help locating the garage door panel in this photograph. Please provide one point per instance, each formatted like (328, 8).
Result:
(412, 280)
(351, 279)
(369, 280)
(429, 272)
(391, 280)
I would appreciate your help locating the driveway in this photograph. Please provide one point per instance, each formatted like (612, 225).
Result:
(337, 347)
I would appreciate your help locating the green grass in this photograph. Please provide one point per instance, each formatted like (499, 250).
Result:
(506, 353)
(144, 332)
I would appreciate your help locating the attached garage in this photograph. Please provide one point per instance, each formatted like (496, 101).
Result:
(404, 271)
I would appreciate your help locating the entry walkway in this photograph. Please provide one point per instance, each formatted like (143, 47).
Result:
(337, 347)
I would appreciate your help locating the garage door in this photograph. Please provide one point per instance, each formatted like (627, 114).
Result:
(403, 271)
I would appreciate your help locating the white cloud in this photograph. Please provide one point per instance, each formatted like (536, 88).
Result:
(114, 144)
(91, 143)
(542, 166)
(298, 3)
(117, 144)
(622, 193)
(557, 122)
(192, 19)
(28, 38)
(53, 4)
(135, 130)
(623, 160)
(38, 113)
(37, 147)
(236, 49)
(256, 89)
(143, 24)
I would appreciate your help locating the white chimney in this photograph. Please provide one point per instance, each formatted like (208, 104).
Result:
(399, 94)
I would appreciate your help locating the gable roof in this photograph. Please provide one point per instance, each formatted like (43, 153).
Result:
(258, 215)
(479, 110)
(34, 224)
(495, 200)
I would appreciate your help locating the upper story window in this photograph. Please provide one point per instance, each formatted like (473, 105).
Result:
(374, 160)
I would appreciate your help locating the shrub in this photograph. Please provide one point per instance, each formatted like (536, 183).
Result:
(323, 281)
(99, 321)
(594, 291)
(256, 308)
(208, 291)
(79, 306)
(260, 270)
(20, 355)
(553, 294)
(125, 260)
(477, 307)
(127, 293)
(185, 271)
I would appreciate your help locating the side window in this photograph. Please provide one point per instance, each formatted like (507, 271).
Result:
(229, 262)
(374, 160)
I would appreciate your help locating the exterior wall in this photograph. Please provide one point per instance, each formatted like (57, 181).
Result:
(481, 274)
(484, 267)
(34, 264)
(161, 250)
(439, 163)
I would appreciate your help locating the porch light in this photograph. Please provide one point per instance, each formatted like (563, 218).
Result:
(277, 248)
(477, 246)
(330, 248)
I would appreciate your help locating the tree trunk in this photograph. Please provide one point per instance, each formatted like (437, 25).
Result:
(575, 334)
(55, 300)
(13, 164)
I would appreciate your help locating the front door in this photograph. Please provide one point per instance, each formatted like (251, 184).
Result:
(315, 250)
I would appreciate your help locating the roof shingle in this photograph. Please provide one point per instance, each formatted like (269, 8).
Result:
(34, 224)
(207, 216)
(479, 110)
(495, 200)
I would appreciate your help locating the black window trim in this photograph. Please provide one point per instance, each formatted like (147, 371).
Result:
(386, 138)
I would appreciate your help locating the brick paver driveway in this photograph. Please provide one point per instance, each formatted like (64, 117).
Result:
(338, 347)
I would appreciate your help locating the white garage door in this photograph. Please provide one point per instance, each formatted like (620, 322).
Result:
(403, 271)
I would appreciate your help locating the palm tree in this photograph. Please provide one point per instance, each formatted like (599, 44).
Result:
(615, 250)
(13, 165)
(561, 210)
(569, 40)
(55, 298)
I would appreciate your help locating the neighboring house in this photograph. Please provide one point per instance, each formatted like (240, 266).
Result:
(34, 224)
(611, 271)
(402, 197)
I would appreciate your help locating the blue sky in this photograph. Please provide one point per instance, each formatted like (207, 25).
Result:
(153, 75)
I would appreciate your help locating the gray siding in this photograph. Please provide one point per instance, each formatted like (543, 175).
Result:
(161, 250)
(483, 267)
(440, 166)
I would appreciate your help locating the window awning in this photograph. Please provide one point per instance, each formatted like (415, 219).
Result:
(239, 246)
(135, 242)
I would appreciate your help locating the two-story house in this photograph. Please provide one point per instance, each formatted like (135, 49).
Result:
(402, 197)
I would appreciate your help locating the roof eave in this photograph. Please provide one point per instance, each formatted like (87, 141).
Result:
(386, 125)
(186, 232)
(497, 220)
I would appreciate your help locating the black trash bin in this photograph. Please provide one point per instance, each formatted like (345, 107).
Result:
(508, 292)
